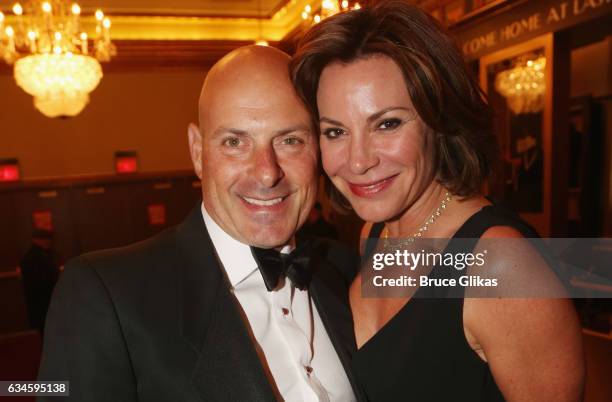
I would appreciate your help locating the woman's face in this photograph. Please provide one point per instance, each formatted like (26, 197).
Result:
(373, 143)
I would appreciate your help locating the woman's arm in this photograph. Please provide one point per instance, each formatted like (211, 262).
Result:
(533, 346)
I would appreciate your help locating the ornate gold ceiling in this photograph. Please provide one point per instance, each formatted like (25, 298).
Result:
(195, 33)
(194, 19)
(199, 8)
(236, 20)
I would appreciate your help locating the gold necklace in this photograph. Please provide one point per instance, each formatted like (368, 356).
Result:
(419, 233)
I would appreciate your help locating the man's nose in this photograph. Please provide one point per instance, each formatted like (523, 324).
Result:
(266, 167)
(362, 156)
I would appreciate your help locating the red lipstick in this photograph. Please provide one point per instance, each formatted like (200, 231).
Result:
(371, 189)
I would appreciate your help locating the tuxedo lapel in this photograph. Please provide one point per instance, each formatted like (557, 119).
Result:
(227, 366)
(329, 290)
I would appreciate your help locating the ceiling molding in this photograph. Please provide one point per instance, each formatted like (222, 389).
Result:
(180, 42)
(155, 55)
(263, 14)
(179, 8)
(152, 55)
(156, 27)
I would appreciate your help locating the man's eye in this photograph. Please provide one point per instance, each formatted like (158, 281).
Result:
(332, 133)
(389, 124)
(292, 141)
(231, 142)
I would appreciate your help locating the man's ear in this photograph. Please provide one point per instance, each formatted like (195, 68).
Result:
(195, 148)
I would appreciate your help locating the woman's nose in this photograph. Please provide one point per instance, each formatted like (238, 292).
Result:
(362, 156)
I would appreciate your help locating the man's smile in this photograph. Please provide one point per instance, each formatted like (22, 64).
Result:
(263, 203)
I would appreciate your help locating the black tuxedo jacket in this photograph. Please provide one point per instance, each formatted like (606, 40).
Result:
(156, 321)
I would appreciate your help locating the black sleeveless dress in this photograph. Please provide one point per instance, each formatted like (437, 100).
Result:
(422, 354)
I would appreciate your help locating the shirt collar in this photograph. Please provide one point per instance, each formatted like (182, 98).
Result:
(236, 257)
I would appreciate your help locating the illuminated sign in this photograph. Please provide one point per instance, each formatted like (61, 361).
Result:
(126, 162)
(9, 170)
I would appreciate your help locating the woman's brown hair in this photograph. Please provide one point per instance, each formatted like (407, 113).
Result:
(443, 91)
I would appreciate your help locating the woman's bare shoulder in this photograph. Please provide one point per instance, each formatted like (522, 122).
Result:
(527, 332)
(501, 232)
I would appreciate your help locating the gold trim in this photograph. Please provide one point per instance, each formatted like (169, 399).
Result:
(275, 28)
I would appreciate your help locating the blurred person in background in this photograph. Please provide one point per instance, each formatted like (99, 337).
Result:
(39, 273)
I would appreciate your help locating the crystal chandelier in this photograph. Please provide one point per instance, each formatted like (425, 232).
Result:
(52, 56)
(327, 9)
(523, 86)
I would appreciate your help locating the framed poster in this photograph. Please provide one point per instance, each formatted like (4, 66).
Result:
(518, 82)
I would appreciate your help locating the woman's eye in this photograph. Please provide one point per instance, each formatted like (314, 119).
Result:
(389, 124)
(231, 142)
(332, 133)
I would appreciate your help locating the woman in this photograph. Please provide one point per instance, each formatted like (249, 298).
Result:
(405, 139)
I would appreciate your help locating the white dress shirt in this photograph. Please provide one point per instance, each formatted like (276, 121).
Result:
(285, 324)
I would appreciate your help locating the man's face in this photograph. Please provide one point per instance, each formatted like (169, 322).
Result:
(258, 161)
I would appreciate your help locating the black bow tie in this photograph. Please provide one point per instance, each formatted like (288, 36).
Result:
(295, 266)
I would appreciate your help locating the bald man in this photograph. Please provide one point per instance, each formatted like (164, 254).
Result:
(229, 305)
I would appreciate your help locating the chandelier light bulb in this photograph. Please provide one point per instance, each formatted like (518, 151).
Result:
(46, 7)
(106, 23)
(1, 16)
(83, 35)
(31, 35)
(76, 9)
(99, 15)
(17, 9)
(327, 9)
(9, 31)
(58, 36)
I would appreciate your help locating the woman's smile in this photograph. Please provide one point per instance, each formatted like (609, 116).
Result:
(371, 189)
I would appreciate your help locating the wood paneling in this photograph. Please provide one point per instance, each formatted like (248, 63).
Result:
(53, 200)
(92, 213)
(10, 250)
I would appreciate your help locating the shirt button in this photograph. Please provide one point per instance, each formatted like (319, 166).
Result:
(285, 311)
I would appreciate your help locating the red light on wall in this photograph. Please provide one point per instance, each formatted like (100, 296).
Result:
(9, 170)
(126, 165)
(42, 220)
(126, 162)
(157, 214)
